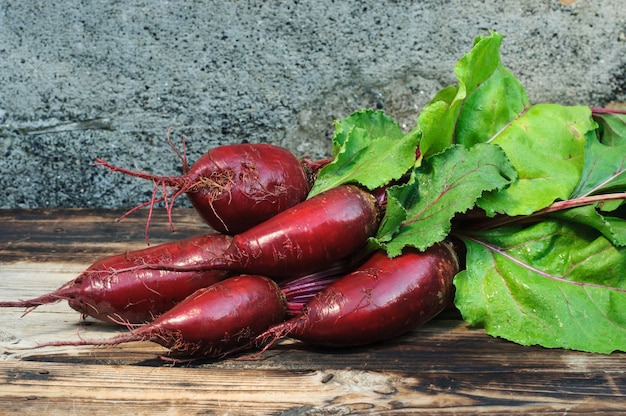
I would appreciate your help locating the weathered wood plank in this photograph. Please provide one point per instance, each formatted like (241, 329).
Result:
(85, 235)
(30, 387)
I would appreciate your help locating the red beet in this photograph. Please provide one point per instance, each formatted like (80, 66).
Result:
(303, 239)
(122, 287)
(233, 187)
(383, 298)
(212, 321)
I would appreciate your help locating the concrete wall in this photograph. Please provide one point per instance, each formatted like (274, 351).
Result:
(87, 79)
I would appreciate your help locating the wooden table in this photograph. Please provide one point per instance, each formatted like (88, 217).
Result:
(444, 367)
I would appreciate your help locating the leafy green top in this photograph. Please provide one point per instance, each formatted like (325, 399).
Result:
(536, 193)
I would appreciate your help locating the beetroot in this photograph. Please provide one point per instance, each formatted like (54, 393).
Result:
(301, 240)
(383, 298)
(125, 287)
(233, 187)
(210, 322)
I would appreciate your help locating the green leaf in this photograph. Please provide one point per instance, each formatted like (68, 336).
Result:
(611, 128)
(499, 100)
(546, 146)
(375, 123)
(369, 149)
(612, 227)
(418, 214)
(487, 98)
(605, 167)
(437, 122)
(554, 284)
(399, 199)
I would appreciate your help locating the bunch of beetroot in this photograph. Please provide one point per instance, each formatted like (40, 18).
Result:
(278, 263)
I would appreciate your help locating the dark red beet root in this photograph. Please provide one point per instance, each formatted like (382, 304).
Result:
(305, 238)
(137, 296)
(382, 299)
(125, 288)
(301, 240)
(234, 187)
(212, 321)
(253, 182)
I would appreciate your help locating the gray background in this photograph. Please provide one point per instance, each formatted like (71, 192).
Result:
(87, 79)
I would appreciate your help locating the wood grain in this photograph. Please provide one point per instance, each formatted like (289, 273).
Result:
(445, 367)
(84, 235)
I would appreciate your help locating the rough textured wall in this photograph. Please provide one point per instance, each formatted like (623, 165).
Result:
(87, 79)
